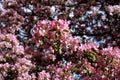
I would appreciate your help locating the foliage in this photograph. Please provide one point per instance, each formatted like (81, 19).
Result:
(49, 40)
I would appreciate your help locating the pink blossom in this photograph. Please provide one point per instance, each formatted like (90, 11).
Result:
(13, 39)
(110, 9)
(59, 72)
(5, 44)
(68, 66)
(113, 9)
(94, 9)
(70, 77)
(44, 75)
(2, 37)
(88, 47)
(1, 77)
(19, 49)
(110, 51)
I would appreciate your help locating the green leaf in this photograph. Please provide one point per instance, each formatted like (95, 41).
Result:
(6, 39)
(41, 42)
(65, 30)
(110, 60)
(91, 56)
(66, 73)
(45, 78)
(76, 70)
(116, 62)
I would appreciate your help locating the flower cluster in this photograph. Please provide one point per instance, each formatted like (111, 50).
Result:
(35, 44)
(10, 21)
(14, 63)
(86, 18)
(113, 52)
(53, 37)
(99, 64)
(56, 55)
(84, 60)
(113, 9)
(61, 71)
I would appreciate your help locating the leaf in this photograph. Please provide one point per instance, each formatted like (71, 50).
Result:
(6, 39)
(67, 73)
(60, 49)
(91, 56)
(76, 70)
(41, 42)
(65, 30)
(45, 78)
(110, 60)
(116, 62)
